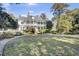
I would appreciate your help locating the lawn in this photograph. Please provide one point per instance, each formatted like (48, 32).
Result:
(37, 46)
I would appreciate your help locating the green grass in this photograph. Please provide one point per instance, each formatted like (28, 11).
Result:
(42, 47)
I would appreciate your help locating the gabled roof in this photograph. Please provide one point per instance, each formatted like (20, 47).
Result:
(30, 18)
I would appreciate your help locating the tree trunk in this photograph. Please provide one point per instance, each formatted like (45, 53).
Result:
(58, 21)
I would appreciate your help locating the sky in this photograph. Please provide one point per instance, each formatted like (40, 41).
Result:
(34, 8)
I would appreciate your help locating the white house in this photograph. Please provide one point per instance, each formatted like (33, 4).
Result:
(29, 21)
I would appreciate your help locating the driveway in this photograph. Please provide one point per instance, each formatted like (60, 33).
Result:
(3, 42)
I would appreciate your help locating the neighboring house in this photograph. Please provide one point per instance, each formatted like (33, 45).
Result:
(30, 21)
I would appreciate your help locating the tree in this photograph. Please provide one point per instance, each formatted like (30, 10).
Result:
(58, 9)
(76, 19)
(76, 22)
(74, 14)
(6, 20)
(65, 24)
(1, 16)
(49, 25)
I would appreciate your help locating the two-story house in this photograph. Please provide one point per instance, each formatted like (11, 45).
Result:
(29, 21)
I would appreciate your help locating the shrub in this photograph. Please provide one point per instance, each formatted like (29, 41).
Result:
(44, 31)
(19, 33)
(25, 31)
(0, 35)
(54, 32)
(7, 35)
(72, 33)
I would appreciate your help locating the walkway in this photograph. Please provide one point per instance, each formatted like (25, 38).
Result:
(3, 42)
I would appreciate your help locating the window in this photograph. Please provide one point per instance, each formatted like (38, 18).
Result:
(22, 22)
(38, 22)
(38, 27)
(27, 21)
(32, 22)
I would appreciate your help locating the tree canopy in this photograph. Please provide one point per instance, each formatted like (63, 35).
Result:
(58, 8)
(6, 20)
(49, 25)
(67, 20)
